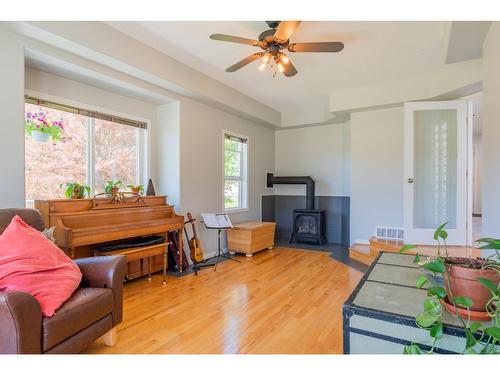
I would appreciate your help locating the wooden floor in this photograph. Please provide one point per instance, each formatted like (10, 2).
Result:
(279, 301)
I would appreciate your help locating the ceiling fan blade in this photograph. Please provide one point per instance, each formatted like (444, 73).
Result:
(285, 30)
(316, 47)
(234, 39)
(288, 69)
(245, 61)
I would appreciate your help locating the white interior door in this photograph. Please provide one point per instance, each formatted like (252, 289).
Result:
(436, 161)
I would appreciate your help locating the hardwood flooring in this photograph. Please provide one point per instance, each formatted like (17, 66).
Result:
(279, 301)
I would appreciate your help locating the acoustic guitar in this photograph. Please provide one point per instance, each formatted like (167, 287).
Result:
(196, 252)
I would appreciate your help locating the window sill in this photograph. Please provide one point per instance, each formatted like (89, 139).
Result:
(235, 210)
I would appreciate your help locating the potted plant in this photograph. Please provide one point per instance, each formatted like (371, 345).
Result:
(41, 129)
(74, 190)
(113, 186)
(139, 189)
(471, 292)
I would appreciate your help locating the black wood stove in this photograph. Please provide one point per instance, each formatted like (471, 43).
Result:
(308, 224)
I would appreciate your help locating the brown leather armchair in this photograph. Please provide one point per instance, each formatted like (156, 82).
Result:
(93, 311)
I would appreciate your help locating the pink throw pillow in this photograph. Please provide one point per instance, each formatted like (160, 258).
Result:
(31, 263)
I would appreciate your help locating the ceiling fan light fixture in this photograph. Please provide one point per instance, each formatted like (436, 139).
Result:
(262, 66)
(281, 68)
(266, 58)
(284, 58)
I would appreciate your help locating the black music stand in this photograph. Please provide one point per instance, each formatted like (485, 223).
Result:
(219, 222)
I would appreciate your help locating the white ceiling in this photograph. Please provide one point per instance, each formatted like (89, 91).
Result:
(374, 52)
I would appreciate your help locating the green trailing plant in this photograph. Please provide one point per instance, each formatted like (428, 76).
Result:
(75, 190)
(112, 184)
(138, 188)
(479, 339)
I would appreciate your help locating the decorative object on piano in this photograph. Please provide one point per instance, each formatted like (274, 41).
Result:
(42, 129)
(471, 292)
(118, 198)
(151, 188)
(74, 190)
(139, 189)
(113, 186)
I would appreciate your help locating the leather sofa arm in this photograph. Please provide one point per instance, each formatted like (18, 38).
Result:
(20, 324)
(105, 272)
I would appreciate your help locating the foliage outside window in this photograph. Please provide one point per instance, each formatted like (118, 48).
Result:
(235, 172)
(91, 152)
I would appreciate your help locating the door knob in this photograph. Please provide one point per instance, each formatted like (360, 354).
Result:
(410, 180)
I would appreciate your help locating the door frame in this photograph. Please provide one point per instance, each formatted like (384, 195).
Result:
(462, 236)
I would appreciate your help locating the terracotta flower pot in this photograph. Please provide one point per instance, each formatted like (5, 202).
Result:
(135, 190)
(463, 283)
(114, 190)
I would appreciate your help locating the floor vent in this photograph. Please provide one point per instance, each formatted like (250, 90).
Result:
(387, 233)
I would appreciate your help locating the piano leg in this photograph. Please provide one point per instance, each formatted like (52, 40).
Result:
(149, 259)
(179, 232)
(165, 260)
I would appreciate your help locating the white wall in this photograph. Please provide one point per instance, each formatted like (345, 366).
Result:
(376, 171)
(166, 152)
(11, 125)
(491, 133)
(478, 165)
(321, 152)
(201, 164)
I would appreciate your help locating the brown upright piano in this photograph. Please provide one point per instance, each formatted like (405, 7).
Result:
(84, 224)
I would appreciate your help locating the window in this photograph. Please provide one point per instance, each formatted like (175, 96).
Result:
(235, 172)
(93, 149)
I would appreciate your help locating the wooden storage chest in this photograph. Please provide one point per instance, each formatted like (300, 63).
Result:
(251, 237)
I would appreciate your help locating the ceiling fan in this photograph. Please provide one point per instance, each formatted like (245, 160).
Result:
(272, 42)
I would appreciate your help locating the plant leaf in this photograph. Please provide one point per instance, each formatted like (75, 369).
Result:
(470, 339)
(417, 258)
(435, 266)
(491, 243)
(432, 307)
(475, 326)
(488, 284)
(463, 301)
(437, 291)
(412, 349)
(437, 330)
(426, 319)
(440, 232)
(405, 248)
(422, 279)
(493, 332)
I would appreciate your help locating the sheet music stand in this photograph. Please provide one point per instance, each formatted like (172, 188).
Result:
(196, 265)
(216, 225)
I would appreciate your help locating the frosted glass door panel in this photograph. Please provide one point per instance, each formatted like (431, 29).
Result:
(435, 168)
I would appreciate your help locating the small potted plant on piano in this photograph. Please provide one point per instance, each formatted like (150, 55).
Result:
(113, 187)
(139, 189)
(74, 190)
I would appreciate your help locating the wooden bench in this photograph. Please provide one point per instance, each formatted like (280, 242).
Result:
(141, 253)
(251, 237)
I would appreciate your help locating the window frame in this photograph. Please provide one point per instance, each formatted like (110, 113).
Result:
(243, 197)
(143, 139)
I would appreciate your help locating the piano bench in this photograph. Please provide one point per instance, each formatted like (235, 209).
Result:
(140, 253)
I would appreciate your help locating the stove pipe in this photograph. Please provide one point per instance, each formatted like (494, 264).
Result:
(295, 180)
